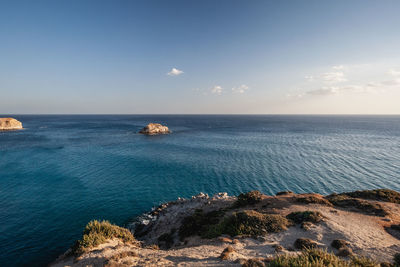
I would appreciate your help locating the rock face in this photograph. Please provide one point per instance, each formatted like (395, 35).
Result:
(155, 128)
(9, 124)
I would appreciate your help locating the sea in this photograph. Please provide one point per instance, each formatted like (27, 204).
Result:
(61, 171)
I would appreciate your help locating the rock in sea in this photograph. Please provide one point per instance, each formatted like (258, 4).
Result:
(155, 128)
(10, 124)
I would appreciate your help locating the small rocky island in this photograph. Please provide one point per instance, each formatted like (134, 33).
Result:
(155, 129)
(10, 124)
(353, 229)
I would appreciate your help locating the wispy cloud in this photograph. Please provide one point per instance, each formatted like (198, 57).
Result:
(338, 67)
(394, 72)
(217, 90)
(309, 78)
(241, 89)
(174, 72)
(323, 91)
(333, 77)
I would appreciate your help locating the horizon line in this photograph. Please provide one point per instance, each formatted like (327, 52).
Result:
(208, 114)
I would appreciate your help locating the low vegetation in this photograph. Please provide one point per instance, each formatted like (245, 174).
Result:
(345, 201)
(284, 193)
(122, 255)
(305, 243)
(200, 223)
(339, 243)
(305, 216)
(247, 222)
(249, 198)
(98, 232)
(253, 223)
(386, 195)
(310, 258)
(167, 239)
(314, 200)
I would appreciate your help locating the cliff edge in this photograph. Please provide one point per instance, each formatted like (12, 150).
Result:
(359, 228)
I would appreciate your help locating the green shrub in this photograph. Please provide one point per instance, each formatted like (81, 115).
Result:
(248, 222)
(305, 216)
(345, 201)
(98, 232)
(248, 198)
(314, 200)
(202, 224)
(386, 195)
(253, 223)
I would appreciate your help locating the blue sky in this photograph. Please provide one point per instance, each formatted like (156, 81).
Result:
(263, 57)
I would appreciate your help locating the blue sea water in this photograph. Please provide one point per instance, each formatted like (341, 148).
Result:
(62, 171)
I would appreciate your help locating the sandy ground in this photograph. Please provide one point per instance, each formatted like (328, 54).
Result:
(366, 234)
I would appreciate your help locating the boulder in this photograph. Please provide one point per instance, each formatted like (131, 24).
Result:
(154, 129)
(9, 124)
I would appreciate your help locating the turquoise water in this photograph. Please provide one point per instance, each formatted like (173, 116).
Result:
(62, 171)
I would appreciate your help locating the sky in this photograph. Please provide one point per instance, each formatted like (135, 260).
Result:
(199, 57)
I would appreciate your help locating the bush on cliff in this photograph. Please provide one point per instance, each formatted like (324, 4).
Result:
(98, 232)
(305, 216)
(313, 200)
(250, 222)
(386, 195)
(249, 198)
(367, 207)
(200, 223)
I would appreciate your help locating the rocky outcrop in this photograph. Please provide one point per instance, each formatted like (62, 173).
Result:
(154, 129)
(10, 124)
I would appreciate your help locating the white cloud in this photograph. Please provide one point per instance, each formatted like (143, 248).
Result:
(241, 89)
(309, 78)
(394, 82)
(174, 72)
(217, 90)
(323, 91)
(338, 67)
(333, 77)
(394, 72)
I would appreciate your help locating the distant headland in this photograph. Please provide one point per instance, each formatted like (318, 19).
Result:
(10, 124)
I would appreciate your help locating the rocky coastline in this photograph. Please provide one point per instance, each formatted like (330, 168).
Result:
(360, 228)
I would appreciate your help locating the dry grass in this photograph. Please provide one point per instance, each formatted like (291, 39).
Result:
(318, 258)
